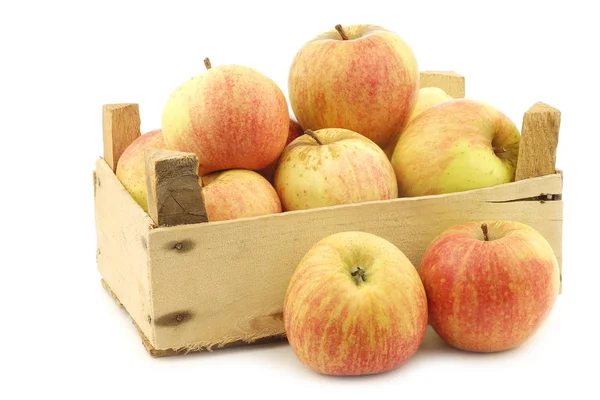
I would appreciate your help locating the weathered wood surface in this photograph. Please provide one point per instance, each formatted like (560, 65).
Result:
(173, 187)
(120, 127)
(122, 229)
(539, 140)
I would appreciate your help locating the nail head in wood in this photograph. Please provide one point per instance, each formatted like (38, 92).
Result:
(539, 140)
(120, 127)
(449, 81)
(173, 187)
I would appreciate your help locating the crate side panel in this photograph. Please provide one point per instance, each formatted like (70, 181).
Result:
(220, 282)
(122, 229)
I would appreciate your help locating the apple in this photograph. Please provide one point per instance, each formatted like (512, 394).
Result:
(331, 167)
(294, 131)
(359, 77)
(489, 285)
(455, 146)
(231, 116)
(355, 305)
(131, 167)
(238, 193)
(427, 98)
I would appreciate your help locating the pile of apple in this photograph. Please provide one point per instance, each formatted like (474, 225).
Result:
(363, 131)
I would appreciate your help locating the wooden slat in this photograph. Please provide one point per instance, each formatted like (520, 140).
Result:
(120, 127)
(122, 239)
(173, 188)
(223, 282)
(449, 81)
(539, 139)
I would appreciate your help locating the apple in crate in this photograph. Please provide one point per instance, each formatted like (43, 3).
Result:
(359, 77)
(294, 131)
(231, 116)
(131, 168)
(489, 285)
(455, 146)
(427, 98)
(238, 193)
(331, 167)
(355, 305)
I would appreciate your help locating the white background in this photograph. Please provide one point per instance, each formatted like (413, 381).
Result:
(62, 334)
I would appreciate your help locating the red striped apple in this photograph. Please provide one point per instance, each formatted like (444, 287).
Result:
(331, 167)
(355, 305)
(131, 168)
(489, 285)
(238, 193)
(455, 146)
(359, 77)
(231, 116)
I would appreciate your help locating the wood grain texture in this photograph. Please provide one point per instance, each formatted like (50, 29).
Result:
(171, 352)
(120, 127)
(122, 238)
(173, 188)
(449, 81)
(224, 282)
(539, 140)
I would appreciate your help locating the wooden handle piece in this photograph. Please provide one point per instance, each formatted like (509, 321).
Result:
(539, 139)
(173, 187)
(120, 127)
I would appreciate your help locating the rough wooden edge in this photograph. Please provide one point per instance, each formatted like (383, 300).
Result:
(193, 348)
(105, 178)
(539, 141)
(449, 81)
(112, 294)
(95, 179)
(120, 127)
(482, 194)
(173, 188)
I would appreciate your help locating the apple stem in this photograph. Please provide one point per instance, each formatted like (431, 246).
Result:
(339, 28)
(499, 150)
(313, 135)
(358, 274)
(484, 228)
(207, 63)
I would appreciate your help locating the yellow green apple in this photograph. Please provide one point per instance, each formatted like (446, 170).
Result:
(238, 193)
(490, 285)
(359, 77)
(231, 116)
(355, 305)
(455, 146)
(331, 167)
(131, 167)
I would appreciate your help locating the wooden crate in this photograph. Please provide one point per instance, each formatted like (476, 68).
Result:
(202, 285)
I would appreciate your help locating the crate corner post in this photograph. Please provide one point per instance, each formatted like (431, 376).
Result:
(449, 81)
(120, 127)
(537, 157)
(122, 226)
